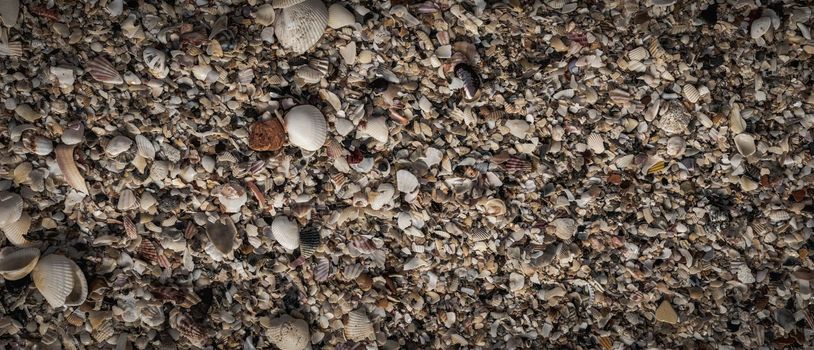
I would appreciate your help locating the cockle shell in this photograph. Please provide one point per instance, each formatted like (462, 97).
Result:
(691, 93)
(144, 147)
(11, 208)
(310, 240)
(306, 127)
(638, 54)
(377, 129)
(564, 228)
(281, 4)
(118, 145)
(288, 333)
(15, 231)
(103, 71)
(156, 62)
(16, 264)
(480, 234)
(745, 144)
(127, 200)
(339, 16)
(358, 326)
(286, 232)
(60, 281)
(596, 143)
(299, 27)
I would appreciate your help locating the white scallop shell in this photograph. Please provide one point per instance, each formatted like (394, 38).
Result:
(156, 62)
(265, 15)
(117, 145)
(377, 129)
(691, 93)
(339, 16)
(102, 70)
(760, 27)
(596, 143)
(60, 281)
(358, 326)
(11, 207)
(281, 4)
(289, 333)
(638, 54)
(9, 12)
(73, 134)
(286, 232)
(127, 200)
(16, 264)
(15, 232)
(306, 127)
(745, 144)
(564, 228)
(145, 148)
(300, 26)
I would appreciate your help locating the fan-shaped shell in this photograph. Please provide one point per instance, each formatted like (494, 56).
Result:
(281, 4)
(638, 54)
(15, 232)
(11, 208)
(309, 75)
(300, 26)
(691, 93)
(102, 70)
(15, 264)
(9, 12)
(289, 333)
(377, 129)
(358, 326)
(339, 16)
(118, 145)
(323, 269)
(222, 234)
(745, 144)
(480, 234)
(564, 228)
(145, 148)
(352, 271)
(127, 200)
(13, 48)
(286, 232)
(309, 242)
(156, 62)
(596, 143)
(60, 281)
(306, 127)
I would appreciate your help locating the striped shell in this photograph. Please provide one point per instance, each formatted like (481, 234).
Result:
(60, 281)
(358, 326)
(691, 93)
(286, 232)
(67, 165)
(14, 48)
(339, 16)
(188, 328)
(103, 71)
(470, 78)
(145, 148)
(377, 129)
(309, 75)
(655, 48)
(323, 269)
(299, 27)
(104, 330)
(480, 234)
(323, 66)
(352, 271)
(11, 208)
(653, 165)
(127, 200)
(75, 318)
(306, 127)
(15, 232)
(596, 143)
(156, 62)
(779, 215)
(16, 264)
(310, 241)
(281, 4)
(638, 54)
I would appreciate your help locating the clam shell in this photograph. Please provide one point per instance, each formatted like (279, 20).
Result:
(300, 26)
(339, 16)
(310, 241)
(14, 48)
(286, 232)
(127, 200)
(358, 326)
(118, 145)
(352, 271)
(102, 70)
(265, 15)
(638, 54)
(480, 234)
(17, 264)
(267, 135)
(145, 147)
(15, 232)
(323, 269)
(691, 93)
(39, 145)
(306, 127)
(288, 333)
(9, 12)
(281, 4)
(745, 144)
(760, 27)
(60, 281)
(377, 129)
(596, 143)
(676, 146)
(11, 208)
(156, 62)
(73, 134)
(406, 181)
(222, 234)
(564, 228)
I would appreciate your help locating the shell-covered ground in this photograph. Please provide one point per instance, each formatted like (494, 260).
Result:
(471, 175)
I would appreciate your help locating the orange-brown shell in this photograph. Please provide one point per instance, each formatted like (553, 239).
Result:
(267, 135)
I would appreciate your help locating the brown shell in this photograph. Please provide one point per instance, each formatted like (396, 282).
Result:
(267, 135)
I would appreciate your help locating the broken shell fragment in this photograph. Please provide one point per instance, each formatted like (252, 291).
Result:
(470, 79)
(222, 234)
(339, 17)
(288, 333)
(745, 144)
(267, 135)
(103, 71)
(358, 326)
(118, 145)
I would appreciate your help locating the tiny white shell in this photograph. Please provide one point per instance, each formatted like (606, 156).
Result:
(596, 143)
(760, 27)
(691, 93)
(60, 281)
(745, 144)
(11, 207)
(16, 264)
(127, 200)
(300, 26)
(377, 129)
(339, 16)
(117, 145)
(358, 326)
(306, 127)
(145, 148)
(286, 232)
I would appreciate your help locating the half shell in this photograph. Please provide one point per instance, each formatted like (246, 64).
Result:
(745, 144)
(267, 135)
(15, 232)
(286, 232)
(145, 147)
(358, 326)
(15, 264)
(156, 61)
(11, 208)
(118, 145)
(310, 240)
(377, 129)
(596, 143)
(300, 26)
(339, 16)
(102, 70)
(288, 333)
(306, 127)
(60, 281)
(222, 234)
(691, 93)
(127, 200)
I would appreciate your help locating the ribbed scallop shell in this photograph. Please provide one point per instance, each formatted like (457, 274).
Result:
(691, 93)
(145, 148)
(638, 54)
(655, 48)
(352, 271)
(127, 200)
(323, 66)
(377, 129)
(286, 232)
(309, 75)
(281, 4)
(339, 16)
(102, 70)
(596, 143)
(306, 127)
(60, 281)
(299, 27)
(75, 318)
(17, 264)
(309, 242)
(323, 269)
(745, 144)
(118, 145)
(15, 232)
(358, 326)
(480, 234)
(14, 48)
(156, 62)
(11, 208)
(103, 331)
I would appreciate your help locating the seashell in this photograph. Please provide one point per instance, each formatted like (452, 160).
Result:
(144, 147)
(306, 127)
(13, 48)
(323, 269)
(515, 164)
(351, 272)
(676, 146)
(9, 12)
(596, 143)
(222, 234)
(232, 197)
(779, 215)
(323, 66)
(159, 171)
(760, 27)
(480, 234)
(675, 119)
(25, 112)
(653, 165)
(103, 331)
(149, 252)
(156, 62)
(339, 16)
(309, 75)
(564, 228)
(15, 231)
(301, 25)
(288, 333)
(377, 129)
(188, 328)
(310, 241)
(60, 281)
(406, 181)
(518, 128)
(127, 200)
(281, 4)
(286, 232)
(745, 144)
(75, 318)
(492, 207)
(655, 49)
(103, 71)
(358, 326)
(691, 93)
(638, 54)
(265, 15)
(38, 145)
(267, 135)
(16, 264)
(382, 197)
(73, 134)
(470, 78)
(118, 145)
(363, 244)
(11, 208)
